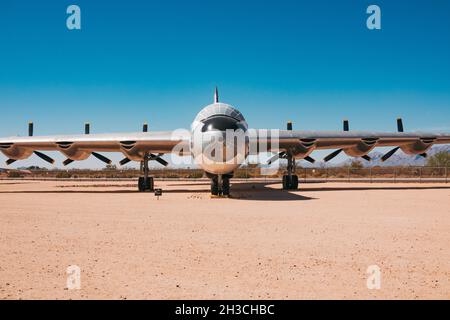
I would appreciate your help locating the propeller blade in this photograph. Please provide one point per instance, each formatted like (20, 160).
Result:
(422, 155)
(346, 126)
(389, 154)
(366, 157)
(332, 155)
(10, 161)
(124, 161)
(400, 125)
(289, 125)
(87, 128)
(44, 157)
(162, 161)
(30, 129)
(67, 161)
(159, 159)
(309, 159)
(273, 158)
(101, 158)
(276, 157)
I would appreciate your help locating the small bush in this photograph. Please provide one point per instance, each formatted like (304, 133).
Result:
(195, 175)
(14, 174)
(242, 174)
(63, 175)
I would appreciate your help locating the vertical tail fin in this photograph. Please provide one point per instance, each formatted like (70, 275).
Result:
(216, 96)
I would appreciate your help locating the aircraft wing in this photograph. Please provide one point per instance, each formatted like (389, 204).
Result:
(79, 147)
(355, 143)
(299, 144)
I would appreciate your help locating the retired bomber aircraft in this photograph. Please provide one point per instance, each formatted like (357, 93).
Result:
(220, 141)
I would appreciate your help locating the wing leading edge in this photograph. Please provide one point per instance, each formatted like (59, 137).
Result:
(356, 143)
(79, 147)
(298, 144)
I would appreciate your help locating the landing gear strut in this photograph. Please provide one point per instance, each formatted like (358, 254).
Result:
(145, 183)
(290, 180)
(220, 185)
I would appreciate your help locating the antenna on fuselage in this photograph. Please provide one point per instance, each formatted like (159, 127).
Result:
(216, 96)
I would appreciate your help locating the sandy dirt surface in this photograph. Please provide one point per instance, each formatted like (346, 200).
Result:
(263, 243)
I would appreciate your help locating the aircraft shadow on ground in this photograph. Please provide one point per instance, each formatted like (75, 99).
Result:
(247, 191)
(261, 191)
(242, 191)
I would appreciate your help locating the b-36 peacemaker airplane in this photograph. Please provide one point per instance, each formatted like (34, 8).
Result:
(212, 124)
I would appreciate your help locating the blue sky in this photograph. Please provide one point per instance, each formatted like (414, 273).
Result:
(312, 62)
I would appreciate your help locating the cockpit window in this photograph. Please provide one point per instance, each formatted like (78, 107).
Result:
(220, 123)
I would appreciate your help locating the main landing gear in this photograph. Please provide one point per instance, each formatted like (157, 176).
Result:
(145, 182)
(220, 184)
(290, 180)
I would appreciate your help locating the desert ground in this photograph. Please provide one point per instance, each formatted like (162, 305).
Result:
(263, 243)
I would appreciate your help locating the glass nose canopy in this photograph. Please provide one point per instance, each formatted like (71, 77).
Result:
(219, 123)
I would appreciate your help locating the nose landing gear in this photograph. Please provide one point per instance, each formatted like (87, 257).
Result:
(220, 185)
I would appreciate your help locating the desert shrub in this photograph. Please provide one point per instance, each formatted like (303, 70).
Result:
(14, 174)
(440, 159)
(63, 175)
(356, 164)
(195, 175)
(242, 174)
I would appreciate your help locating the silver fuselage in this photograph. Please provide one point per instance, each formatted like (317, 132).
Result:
(219, 142)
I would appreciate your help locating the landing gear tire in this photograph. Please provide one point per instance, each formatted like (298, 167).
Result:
(145, 184)
(294, 182)
(290, 182)
(226, 187)
(214, 186)
(222, 188)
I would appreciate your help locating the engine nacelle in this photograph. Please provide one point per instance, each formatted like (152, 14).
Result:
(132, 151)
(76, 154)
(418, 147)
(303, 149)
(14, 152)
(72, 152)
(362, 148)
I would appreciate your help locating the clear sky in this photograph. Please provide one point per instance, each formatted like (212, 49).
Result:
(312, 62)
